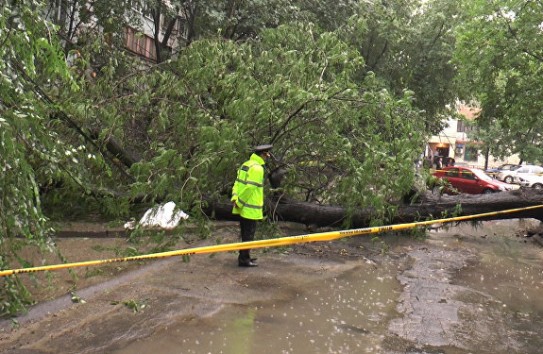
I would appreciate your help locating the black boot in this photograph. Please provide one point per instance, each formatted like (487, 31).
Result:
(248, 263)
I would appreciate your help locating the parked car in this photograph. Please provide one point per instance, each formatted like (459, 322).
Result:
(513, 175)
(532, 181)
(471, 180)
(492, 172)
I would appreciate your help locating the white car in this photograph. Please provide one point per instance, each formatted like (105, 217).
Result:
(533, 181)
(522, 171)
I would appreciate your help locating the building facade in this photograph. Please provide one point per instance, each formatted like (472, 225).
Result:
(455, 142)
(146, 30)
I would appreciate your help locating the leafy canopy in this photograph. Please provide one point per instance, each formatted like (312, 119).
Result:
(501, 60)
(347, 94)
(27, 51)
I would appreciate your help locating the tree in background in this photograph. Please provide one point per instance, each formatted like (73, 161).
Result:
(409, 45)
(500, 58)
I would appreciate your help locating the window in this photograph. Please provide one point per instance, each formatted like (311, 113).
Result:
(140, 7)
(471, 153)
(140, 43)
(466, 174)
(453, 172)
(463, 126)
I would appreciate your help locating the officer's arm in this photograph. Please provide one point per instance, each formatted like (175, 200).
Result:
(235, 189)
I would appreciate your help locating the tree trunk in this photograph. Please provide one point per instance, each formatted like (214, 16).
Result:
(433, 207)
(115, 148)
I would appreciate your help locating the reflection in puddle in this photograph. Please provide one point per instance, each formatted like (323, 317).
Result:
(493, 291)
(339, 315)
(345, 315)
(505, 287)
(508, 268)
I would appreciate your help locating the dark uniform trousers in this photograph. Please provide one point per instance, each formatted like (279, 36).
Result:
(248, 229)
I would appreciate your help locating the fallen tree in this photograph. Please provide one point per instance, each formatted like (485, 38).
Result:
(431, 206)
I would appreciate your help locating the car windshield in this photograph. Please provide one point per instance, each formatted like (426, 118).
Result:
(482, 175)
(511, 167)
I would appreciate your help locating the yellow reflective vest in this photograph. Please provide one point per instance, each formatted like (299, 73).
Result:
(248, 190)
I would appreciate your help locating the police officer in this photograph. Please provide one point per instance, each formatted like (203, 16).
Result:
(248, 198)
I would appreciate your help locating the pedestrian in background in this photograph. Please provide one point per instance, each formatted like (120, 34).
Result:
(438, 163)
(248, 198)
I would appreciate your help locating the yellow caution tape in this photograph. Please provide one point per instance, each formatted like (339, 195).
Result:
(276, 242)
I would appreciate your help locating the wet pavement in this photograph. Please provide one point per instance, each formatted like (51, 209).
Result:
(459, 290)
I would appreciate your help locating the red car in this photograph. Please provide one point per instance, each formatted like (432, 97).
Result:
(471, 180)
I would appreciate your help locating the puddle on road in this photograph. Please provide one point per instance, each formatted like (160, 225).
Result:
(347, 314)
(505, 287)
(351, 313)
(509, 268)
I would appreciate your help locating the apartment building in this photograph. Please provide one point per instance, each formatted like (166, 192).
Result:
(455, 142)
(146, 36)
(145, 32)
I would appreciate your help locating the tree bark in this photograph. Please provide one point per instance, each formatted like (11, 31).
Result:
(432, 207)
(115, 148)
